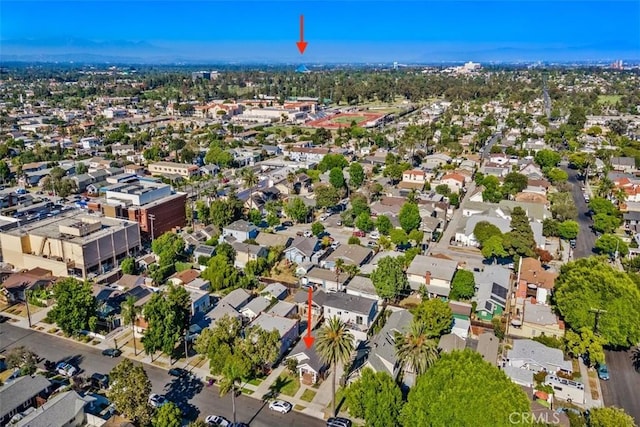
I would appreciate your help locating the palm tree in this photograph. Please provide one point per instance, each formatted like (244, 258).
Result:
(415, 350)
(340, 267)
(130, 313)
(231, 374)
(250, 180)
(291, 178)
(635, 359)
(334, 344)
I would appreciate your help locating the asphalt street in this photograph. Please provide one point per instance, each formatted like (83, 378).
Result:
(586, 237)
(623, 387)
(192, 396)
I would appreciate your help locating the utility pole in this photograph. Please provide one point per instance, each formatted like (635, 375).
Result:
(26, 302)
(597, 312)
(152, 218)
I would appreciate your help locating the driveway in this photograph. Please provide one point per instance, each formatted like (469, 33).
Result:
(192, 396)
(586, 237)
(623, 387)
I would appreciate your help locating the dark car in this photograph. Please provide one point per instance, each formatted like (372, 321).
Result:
(3, 319)
(287, 224)
(572, 243)
(111, 352)
(178, 372)
(338, 422)
(100, 380)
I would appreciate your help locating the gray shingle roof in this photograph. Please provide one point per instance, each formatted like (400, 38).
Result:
(551, 359)
(442, 269)
(236, 298)
(351, 303)
(241, 225)
(15, 393)
(56, 412)
(383, 351)
(306, 245)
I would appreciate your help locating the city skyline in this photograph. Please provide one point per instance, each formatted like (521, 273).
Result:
(362, 31)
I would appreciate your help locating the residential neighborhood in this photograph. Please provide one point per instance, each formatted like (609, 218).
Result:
(284, 259)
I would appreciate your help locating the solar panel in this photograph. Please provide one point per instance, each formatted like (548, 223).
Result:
(499, 291)
(488, 306)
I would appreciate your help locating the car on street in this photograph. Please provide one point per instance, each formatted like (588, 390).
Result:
(339, 223)
(178, 372)
(338, 422)
(157, 400)
(374, 235)
(111, 352)
(572, 243)
(281, 406)
(335, 245)
(3, 319)
(99, 380)
(603, 372)
(287, 224)
(66, 369)
(308, 233)
(217, 420)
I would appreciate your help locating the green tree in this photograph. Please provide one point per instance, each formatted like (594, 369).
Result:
(168, 415)
(519, 241)
(5, 172)
(463, 286)
(364, 222)
(23, 359)
(604, 223)
(250, 180)
(317, 228)
(128, 265)
(609, 244)
(389, 278)
(356, 174)
(336, 178)
(129, 391)
(585, 342)
(591, 283)
(550, 227)
(417, 350)
(568, 229)
(334, 344)
(221, 273)
(610, 416)
(547, 158)
(232, 373)
(75, 305)
(600, 205)
(557, 175)
(453, 392)
(331, 161)
(485, 230)
(562, 206)
(130, 312)
(514, 183)
(376, 398)
(383, 224)
(443, 189)
(170, 248)
(297, 210)
(326, 195)
(436, 315)
(217, 156)
(398, 236)
(409, 217)
(494, 248)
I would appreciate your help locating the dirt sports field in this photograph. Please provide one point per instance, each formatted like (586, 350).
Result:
(344, 120)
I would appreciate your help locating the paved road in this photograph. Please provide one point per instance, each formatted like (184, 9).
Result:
(623, 388)
(586, 237)
(487, 148)
(189, 394)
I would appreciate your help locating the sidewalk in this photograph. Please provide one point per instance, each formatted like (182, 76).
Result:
(590, 402)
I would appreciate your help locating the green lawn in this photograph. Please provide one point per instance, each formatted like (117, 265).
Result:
(286, 384)
(255, 381)
(308, 395)
(349, 119)
(609, 99)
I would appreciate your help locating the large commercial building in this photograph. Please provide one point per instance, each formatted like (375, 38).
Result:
(71, 244)
(153, 205)
(170, 168)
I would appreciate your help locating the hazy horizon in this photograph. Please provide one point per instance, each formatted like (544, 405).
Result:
(337, 31)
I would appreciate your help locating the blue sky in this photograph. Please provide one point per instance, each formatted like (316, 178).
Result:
(356, 30)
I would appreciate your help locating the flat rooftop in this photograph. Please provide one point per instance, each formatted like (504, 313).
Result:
(50, 227)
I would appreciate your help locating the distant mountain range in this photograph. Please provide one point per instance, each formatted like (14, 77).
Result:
(71, 49)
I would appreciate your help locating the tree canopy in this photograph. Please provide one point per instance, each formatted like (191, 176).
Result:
(389, 278)
(129, 391)
(485, 230)
(336, 178)
(75, 305)
(168, 415)
(297, 210)
(461, 389)
(463, 286)
(376, 398)
(331, 161)
(436, 315)
(409, 217)
(356, 174)
(609, 244)
(590, 284)
(547, 158)
(610, 416)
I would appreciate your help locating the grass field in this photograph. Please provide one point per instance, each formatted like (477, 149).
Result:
(349, 119)
(609, 99)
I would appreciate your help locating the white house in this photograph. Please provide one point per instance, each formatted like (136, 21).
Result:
(435, 273)
(287, 329)
(357, 313)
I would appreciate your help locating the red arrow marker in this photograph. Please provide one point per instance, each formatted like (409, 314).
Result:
(302, 45)
(308, 340)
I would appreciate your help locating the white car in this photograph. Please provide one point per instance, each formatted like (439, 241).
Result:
(308, 233)
(156, 400)
(66, 369)
(217, 420)
(374, 235)
(280, 406)
(335, 245)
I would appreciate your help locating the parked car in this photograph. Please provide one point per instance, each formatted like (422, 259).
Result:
(335, 245)
(111, 352)
(280, 406)
(66, 369)
(374, 235)
(572, 243)
(287, 224)
(338, 422)
(308, 233)
(603, 372)
(217, 420)
(178, 372)
(339, 223)
(359, 233)
(100, 380)
(157, 400)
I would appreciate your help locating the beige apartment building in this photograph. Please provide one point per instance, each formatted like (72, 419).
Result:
(171, 168)
(71, 244)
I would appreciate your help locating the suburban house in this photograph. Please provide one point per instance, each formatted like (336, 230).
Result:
(255, 307)
(534, 356)
(382, 356)
(434, 273)
(16, 285)
(454, 181)
(357, 313)
(302, 250)
(413, 179)
(246, 252)
(170, 168)
(287, 329)
(200, 301)
(350, 254)
(240, 230)
(310, 367)
(492, 290)
(327, 280)
(284, 309)
(488, 346)
(623, 164)
(564, 389)
(362, 287)
(236, 298)
(270, 240)
(21, 394)
(275, 291)
(301, 298)
(535, 320)
(65, 409)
